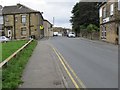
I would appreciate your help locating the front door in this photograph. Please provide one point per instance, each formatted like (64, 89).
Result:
(9, 34)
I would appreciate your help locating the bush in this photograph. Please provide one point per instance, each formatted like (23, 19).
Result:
(92, 28)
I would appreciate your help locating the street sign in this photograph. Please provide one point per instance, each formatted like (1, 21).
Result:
(41, 27)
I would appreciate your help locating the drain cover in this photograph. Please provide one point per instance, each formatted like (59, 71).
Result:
(57, 82)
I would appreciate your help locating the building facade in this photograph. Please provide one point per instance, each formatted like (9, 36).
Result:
(1, 21)
(62, 30)
(21, 22)
(48, 30)
(109, 22)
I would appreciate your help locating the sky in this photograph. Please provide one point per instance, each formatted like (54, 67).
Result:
(60, 10)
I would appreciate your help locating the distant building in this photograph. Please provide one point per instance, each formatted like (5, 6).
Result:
(48, 30)
(109, 21)
(61, 30)
(21, 22)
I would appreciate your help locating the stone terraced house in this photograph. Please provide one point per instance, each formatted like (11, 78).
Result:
(21, 22)
(110, 21)
(48, 30)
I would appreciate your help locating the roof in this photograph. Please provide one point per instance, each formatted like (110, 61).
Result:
(19, 8)
(47, 21)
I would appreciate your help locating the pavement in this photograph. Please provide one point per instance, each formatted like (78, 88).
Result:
(94, 64)
(42, 70)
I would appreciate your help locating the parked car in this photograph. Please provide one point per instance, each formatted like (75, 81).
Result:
(4, 39)
(59, 34)
(55, 33)
(71, 34)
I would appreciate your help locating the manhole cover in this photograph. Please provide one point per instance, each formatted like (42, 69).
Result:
(57, 82)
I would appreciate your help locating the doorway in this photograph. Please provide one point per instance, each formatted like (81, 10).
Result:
(9, 32)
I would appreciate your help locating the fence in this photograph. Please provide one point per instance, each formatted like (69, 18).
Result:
(14, 54)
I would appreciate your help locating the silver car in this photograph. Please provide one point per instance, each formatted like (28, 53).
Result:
(71, 34)
(4, 39)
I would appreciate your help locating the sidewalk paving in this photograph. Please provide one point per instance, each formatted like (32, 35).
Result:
(98, 41)
(42, 71)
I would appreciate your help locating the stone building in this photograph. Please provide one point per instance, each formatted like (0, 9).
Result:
(1, 21)
(62, 30)
(109, 21)
(21, 22)
(48, 30)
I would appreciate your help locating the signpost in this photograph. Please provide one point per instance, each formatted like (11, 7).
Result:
(41, 27)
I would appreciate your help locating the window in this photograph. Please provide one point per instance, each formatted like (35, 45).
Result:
(23, 18)
(1, 19)
(16, 19)
(100, 12)
(6, 18)
(111, 9)
(104, 12)
(23, 31)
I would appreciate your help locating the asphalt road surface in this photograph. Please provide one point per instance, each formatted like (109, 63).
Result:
(94, 62)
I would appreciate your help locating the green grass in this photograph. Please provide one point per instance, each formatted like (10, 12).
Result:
(13, 72)
(10, 47)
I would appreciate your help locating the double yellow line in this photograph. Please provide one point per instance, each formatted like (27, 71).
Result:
(65, 65)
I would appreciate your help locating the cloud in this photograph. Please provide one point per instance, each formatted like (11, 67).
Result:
(61, 10)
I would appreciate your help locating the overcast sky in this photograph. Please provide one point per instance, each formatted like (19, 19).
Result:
(60, 10)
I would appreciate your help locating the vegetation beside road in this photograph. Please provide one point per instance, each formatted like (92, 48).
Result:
(12, 73)
(85, 19)
(90, 32)
(10, 47)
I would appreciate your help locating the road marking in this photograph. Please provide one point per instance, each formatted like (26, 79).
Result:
(80, 82)
(72, 79)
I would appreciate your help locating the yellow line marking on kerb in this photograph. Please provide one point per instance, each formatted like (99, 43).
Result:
(80, 82)
(74, 82)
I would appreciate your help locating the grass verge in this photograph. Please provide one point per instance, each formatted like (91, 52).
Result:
(10, 47)
(13, 72)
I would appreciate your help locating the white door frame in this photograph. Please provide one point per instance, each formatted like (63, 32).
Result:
(9, 33)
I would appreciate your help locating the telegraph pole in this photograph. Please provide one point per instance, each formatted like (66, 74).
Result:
(53, 24)
(53, 20)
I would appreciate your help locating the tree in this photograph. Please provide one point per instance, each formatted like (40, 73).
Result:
(83, 30)
(84, 13)
(91, 29)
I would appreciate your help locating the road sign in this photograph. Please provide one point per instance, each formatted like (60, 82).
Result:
(41, 27)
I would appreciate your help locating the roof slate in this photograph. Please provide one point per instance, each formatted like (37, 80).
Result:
(19, 8)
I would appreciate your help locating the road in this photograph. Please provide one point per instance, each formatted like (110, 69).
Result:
(95, 63)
